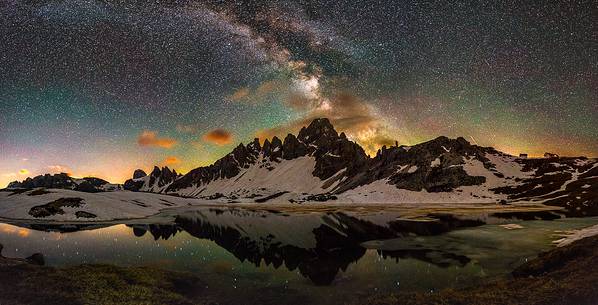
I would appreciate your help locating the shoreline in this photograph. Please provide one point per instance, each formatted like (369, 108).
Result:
(135, 206)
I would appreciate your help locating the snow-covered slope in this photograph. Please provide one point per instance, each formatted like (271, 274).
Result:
(156, 182)
(90, 206)
(263, 179)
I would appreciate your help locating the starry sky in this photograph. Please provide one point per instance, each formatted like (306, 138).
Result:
(102, 87)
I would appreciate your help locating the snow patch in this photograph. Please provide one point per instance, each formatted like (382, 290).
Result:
(105, 205)
(293, 176)
(577, 235)
(511, 226)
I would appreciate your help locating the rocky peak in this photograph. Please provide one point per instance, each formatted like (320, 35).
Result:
(267, 147)
(292, 148)
(167, 172)
(139, 173)
(245, 155)
(275, 152)
(255, 145)
(156, 172)
(13, 185)
(61, 180)
(162, 176)
(319, 131)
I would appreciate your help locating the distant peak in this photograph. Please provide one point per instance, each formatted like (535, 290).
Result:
(255, 145)
(320, 123)
(444, 139)
(318, 128)
(139, 173)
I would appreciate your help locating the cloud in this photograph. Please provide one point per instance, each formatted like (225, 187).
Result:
(150, 138)
(59, 169)
(23, 172)
(255, 94)
(171, 160)
(219, 137)
(186, 128)
(9, 175)
(266, 87)
(240, 94)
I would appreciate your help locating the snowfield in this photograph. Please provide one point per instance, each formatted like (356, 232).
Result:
(382, 192)
(105, 205)
(265, 178)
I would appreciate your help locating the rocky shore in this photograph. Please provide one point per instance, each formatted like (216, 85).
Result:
(562, 276)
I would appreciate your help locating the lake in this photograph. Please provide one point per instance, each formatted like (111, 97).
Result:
(275, 257)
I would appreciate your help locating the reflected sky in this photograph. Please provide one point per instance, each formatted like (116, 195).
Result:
(389, 265)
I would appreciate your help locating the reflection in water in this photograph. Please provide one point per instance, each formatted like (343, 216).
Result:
(317, 245)
(323, 256)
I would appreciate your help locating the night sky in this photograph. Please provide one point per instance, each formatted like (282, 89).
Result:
(104, 87)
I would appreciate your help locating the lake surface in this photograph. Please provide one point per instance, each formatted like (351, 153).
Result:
(271, 257)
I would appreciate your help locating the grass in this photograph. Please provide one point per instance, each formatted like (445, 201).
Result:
(96, 284)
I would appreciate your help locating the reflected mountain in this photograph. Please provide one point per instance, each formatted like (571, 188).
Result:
(157, 231)
(439, 258)
(317, 245)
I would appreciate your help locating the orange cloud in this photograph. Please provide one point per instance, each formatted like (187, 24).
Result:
(266, 87)
(150, 138)
(240, 94)
(171, 160)
(219, 137)
(253, 95)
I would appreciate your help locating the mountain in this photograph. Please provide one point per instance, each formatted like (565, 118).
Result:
(319, 164)
(156, 182)
(64, 181)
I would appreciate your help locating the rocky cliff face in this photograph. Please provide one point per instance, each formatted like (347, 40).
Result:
(332, 152)
(341, 164)
(61, 181)
(321, 164)
(433, 166)
(156, 182)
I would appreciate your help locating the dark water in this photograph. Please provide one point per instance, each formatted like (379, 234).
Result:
(299, 257)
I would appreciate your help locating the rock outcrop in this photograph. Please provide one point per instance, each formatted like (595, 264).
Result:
(139, 173)
(61, 181)
(157, 180)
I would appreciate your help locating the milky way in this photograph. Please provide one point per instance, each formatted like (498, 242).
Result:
(104, 87)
